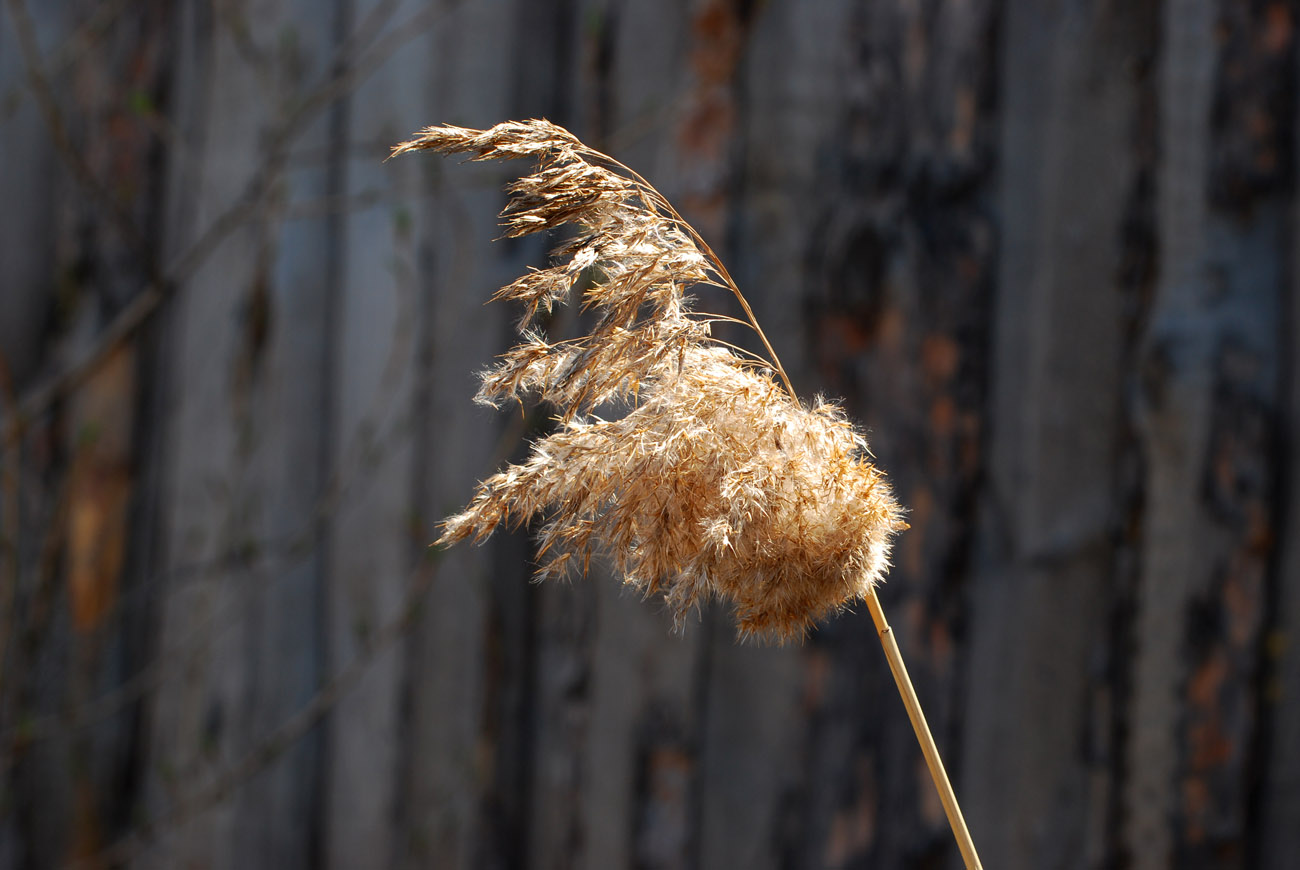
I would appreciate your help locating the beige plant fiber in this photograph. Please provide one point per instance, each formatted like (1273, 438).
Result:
(709, 479)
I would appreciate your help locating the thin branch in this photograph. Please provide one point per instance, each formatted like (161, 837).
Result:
(278, 741)
(46, 392)
(345, 77)
(43, 91)
(326, 206)
(284, 552)
(75, 46)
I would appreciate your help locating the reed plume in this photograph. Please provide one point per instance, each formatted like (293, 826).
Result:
(710, 479)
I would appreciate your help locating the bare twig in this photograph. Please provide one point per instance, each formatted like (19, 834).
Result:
(325, 206)
(346, 72)
(283, 552)
(273, 746)
(75, 46)
(43, 91)
(37, 399)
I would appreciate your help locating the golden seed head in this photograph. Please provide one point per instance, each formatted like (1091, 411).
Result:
(716, 482)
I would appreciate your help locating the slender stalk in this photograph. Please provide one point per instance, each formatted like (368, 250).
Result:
(928, 747)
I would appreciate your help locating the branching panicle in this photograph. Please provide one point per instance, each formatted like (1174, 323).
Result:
(717, 482)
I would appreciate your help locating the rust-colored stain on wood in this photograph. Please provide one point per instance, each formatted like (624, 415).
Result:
(1252, 103)
(817, 674)
(717, 45)
(943, 417)
(841, 335)
(99, 490)
(719, 39)
(1212, 747)
(1242, 599)
(853, 828)
(940, 358)
(87, 829)
(965, 112)
(1278, 29)
(1208, 744)
(1196, 801)
(942, 647)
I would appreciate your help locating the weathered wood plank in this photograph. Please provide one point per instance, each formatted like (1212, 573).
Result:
(1280, 791)
(755, 143)
(1113, 416)
(72, 235)
(1280, 756)
(756, 116)
(36, 785)
(894, 269)
(246, 441)
(560, 46)
(371, 551)
(466, 668)
(27, 176)
(643, 746)
(1175, 434)
(1039, 796)
(1210, 383)
(1245, 260)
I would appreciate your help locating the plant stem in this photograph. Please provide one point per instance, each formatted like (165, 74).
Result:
(928, 748)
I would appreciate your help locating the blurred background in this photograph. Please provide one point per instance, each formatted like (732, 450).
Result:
(1043, 250)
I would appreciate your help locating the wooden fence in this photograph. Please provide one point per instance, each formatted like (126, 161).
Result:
(1044, 251)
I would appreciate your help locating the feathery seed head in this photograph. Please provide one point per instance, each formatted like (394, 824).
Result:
(716, 482)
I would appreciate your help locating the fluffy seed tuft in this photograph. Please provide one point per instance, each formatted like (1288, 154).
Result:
(716, 482)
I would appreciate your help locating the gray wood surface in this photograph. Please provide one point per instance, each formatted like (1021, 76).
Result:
(245, 374)
(1043, 252)
(1045, 583)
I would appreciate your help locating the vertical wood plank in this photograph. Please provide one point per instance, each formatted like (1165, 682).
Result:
(1280, 756)
(895, 274)
(1210, 395)
(1173, 426)
(35, 819)
(643, 743)
(755, 121)
(371, 551)
(72, 241)
(464, 671)
(1245, 259)
(1280, 791)
(246, 440)
(572, 41)
(27, 234)
(1040, 619)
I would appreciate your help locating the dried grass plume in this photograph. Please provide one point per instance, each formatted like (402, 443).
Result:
(710, 479)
